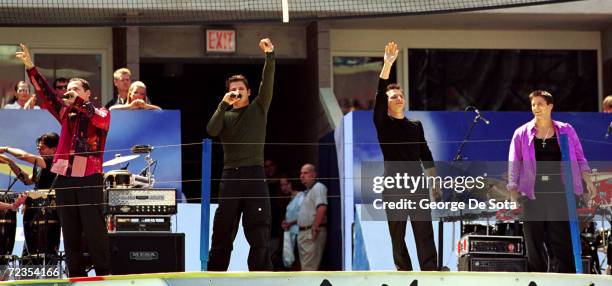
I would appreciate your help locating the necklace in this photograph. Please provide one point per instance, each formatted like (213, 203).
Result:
(544, 139)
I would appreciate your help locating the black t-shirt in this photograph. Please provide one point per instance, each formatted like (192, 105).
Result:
(548, 165)
(45, 177)
(548, 156)
(392, 130)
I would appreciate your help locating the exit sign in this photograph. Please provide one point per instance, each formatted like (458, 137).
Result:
(221, 41)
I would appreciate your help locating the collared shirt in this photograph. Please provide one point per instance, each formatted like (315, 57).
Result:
(522, 160)
(293, 210)
(80, 150)
(313, 198)
(16, 105)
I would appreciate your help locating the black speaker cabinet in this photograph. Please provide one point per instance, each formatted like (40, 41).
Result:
(492, 264)
(134, 253)
(586, 265)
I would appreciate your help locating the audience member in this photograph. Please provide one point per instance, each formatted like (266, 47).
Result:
(312, 220)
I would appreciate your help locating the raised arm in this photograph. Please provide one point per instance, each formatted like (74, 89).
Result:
(21, 174)
(391, 53)
(264, 97)
(381, 104)
(24, 156)
(50, 100)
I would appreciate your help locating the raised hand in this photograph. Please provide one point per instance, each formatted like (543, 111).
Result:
(266, 45)
(69, 97)
(230, 98)
(4, 159)
(25, 56)
(19, 201)
(31, 103)
(391, 52)
(137, 104)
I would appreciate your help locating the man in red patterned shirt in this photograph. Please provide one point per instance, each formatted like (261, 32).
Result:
(78, 165)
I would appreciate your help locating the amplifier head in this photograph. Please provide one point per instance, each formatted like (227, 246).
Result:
(140, 201)
(490, 245)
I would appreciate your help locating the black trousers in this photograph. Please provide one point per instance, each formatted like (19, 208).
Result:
(422, 228)
(248, 198)
(547, 231)
(87, 218)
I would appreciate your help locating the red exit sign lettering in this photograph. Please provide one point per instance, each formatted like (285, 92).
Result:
(221, 41)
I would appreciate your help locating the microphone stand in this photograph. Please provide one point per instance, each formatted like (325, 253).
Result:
(467, 136)
(46, 218)
(8, 189)
(456, 158)
(52, 185)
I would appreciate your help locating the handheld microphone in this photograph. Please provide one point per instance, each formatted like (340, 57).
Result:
(69, 95)
(236, 94)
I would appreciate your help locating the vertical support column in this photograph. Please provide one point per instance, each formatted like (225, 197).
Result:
(126, 54)
(205, 203)
(318, 52)
(132, 47)
(571, 203)
(605, 58)
(347, 176)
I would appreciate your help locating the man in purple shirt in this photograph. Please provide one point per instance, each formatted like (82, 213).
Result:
(535, 173)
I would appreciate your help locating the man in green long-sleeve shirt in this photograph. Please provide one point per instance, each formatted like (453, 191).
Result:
(242, 130)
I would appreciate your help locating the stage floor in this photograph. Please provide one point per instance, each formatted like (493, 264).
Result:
(356, 278)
